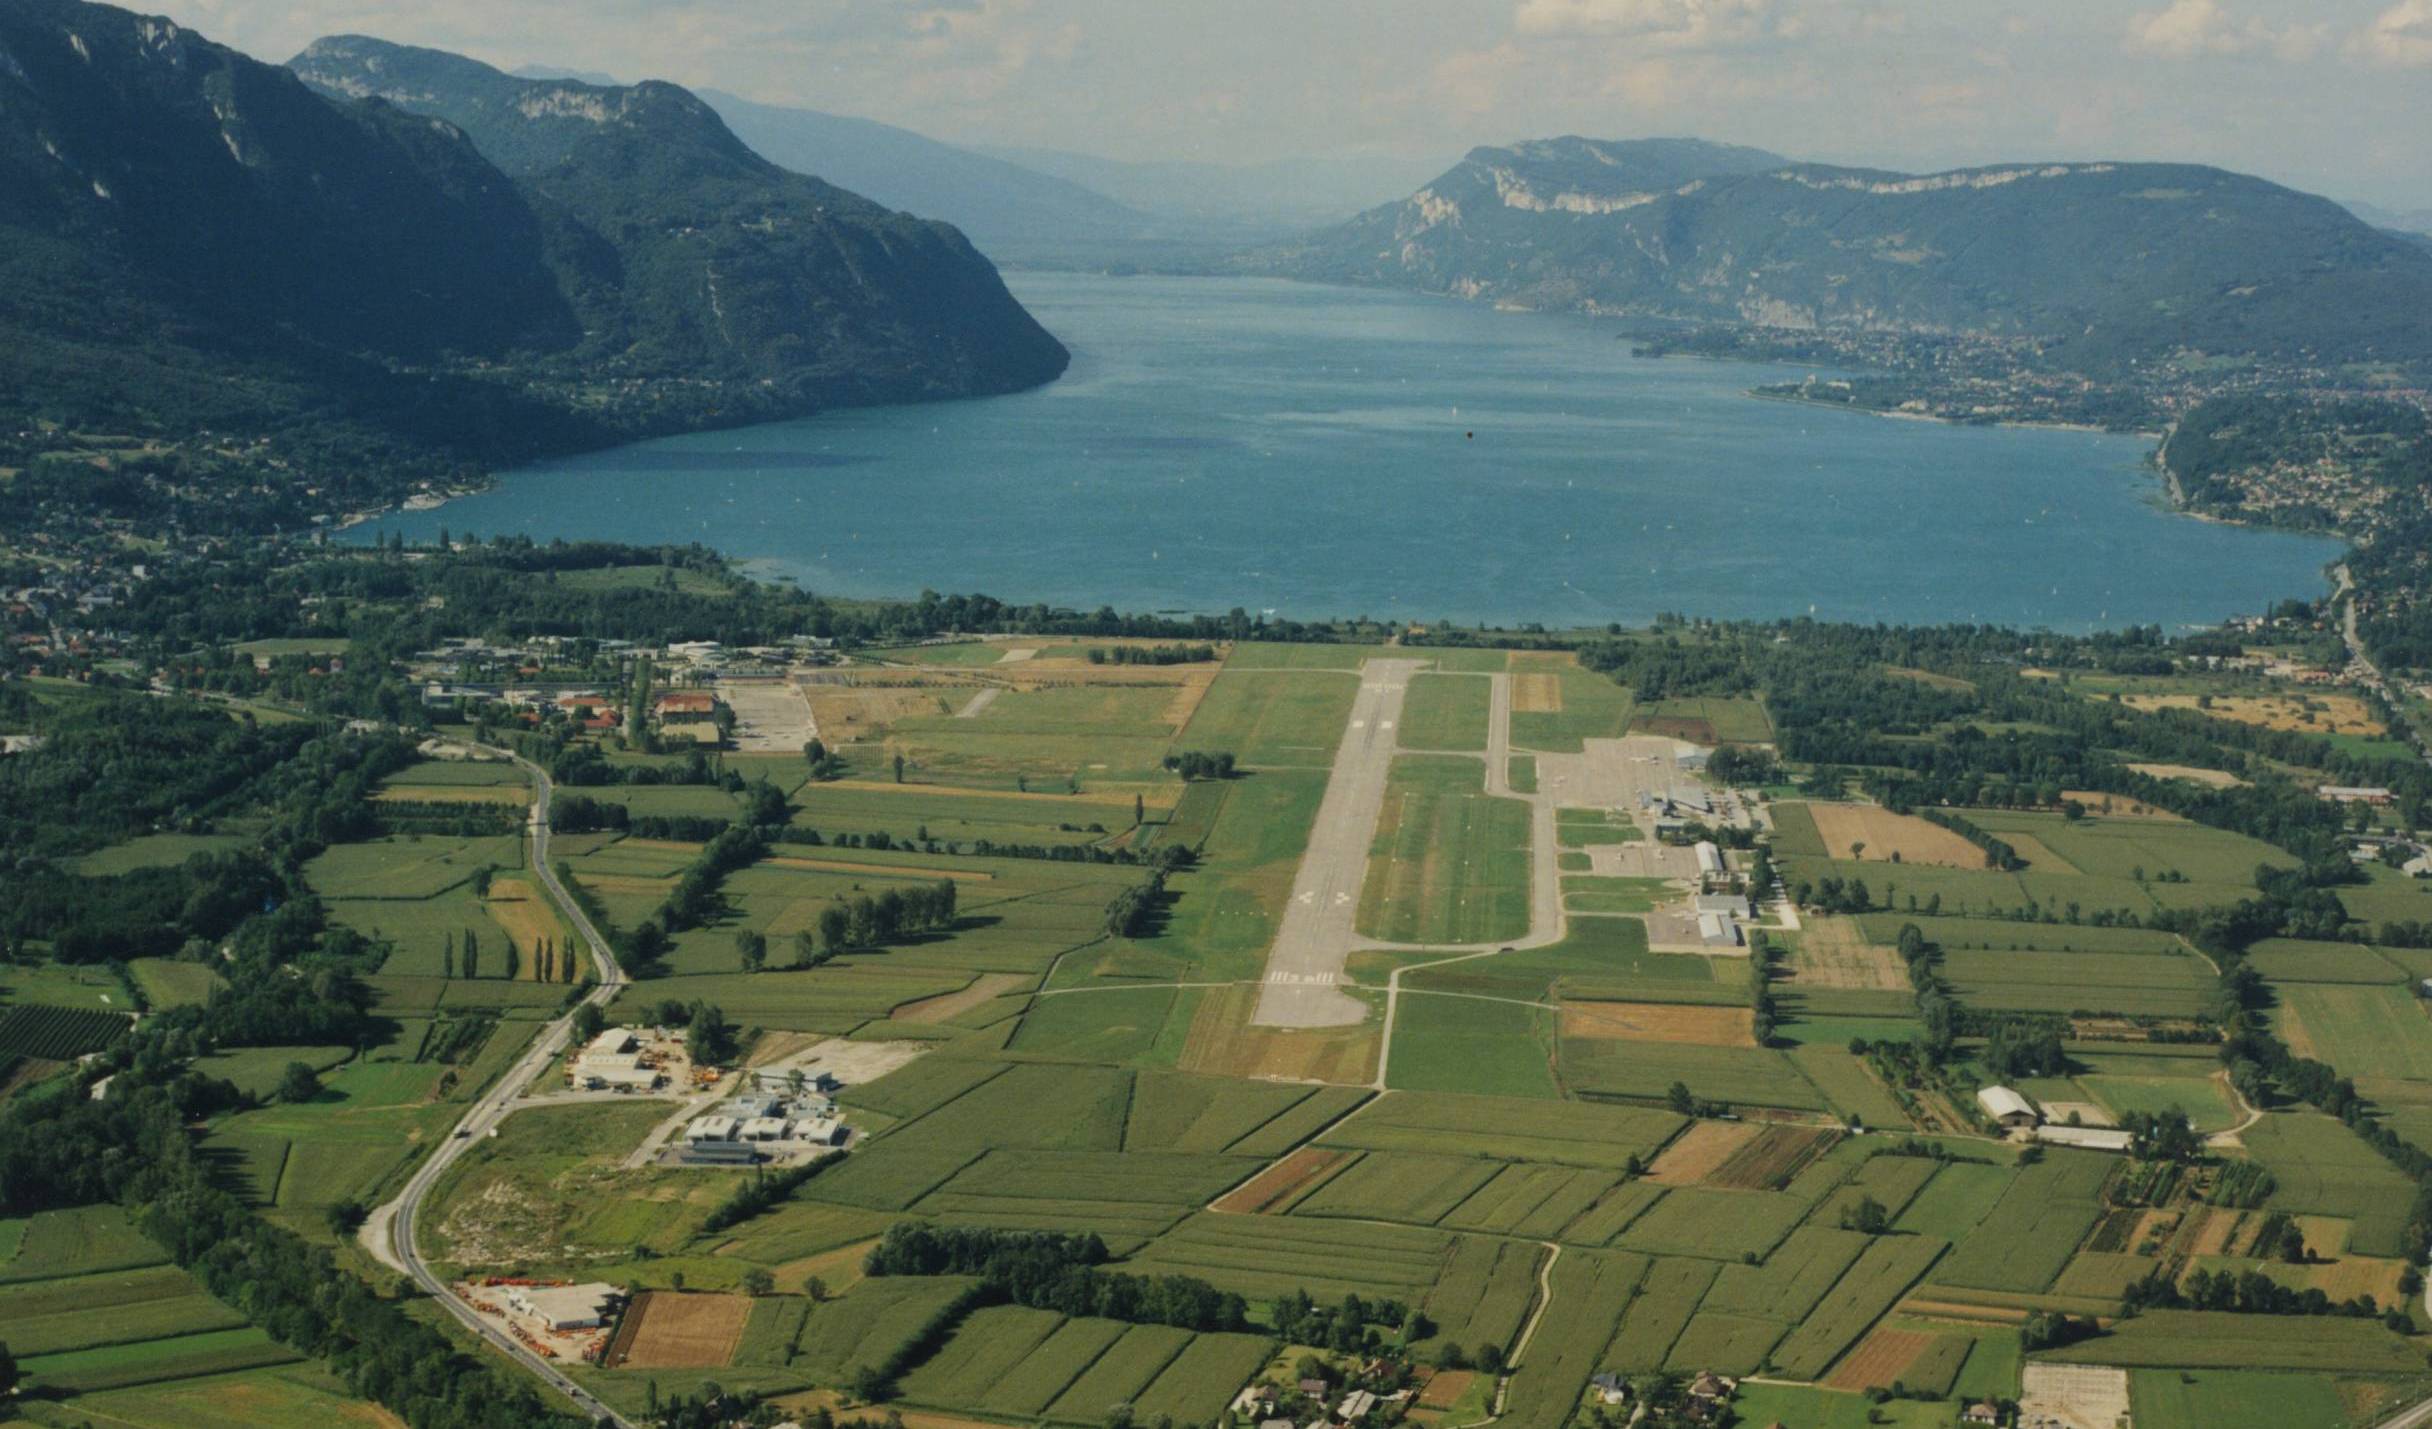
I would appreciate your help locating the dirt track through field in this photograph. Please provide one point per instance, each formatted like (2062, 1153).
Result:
(987, 988)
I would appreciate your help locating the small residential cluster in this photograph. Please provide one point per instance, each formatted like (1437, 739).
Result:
(1704, 1398)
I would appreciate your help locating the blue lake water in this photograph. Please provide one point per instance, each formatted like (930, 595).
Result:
(1334, 452)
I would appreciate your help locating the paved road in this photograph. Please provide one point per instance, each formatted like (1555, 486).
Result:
(1544, 859)
(2374, 679)
(1316, 935)
(389, 1232)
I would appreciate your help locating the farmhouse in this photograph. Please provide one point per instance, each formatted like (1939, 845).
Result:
(686, 704)
(1355, 1406)
(2007, 1107)
(556, 1308)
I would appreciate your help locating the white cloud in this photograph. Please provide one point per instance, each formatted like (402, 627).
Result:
(2399, 37)
(2187, 29)
(1683, 23)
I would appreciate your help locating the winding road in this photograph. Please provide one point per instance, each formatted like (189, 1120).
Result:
(388, 1233)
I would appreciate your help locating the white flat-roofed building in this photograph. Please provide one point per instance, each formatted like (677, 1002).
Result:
(2087, 1138)
(561, 1307)
(1730, 905)
(1717, 931)
(710, 1128)
(631, 1078)
(820, 1131)
(763, 1128)
(614, 1042)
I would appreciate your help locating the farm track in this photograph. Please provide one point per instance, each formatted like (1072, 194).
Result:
(388, 1233)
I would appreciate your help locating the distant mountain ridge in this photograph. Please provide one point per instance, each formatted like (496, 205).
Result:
(2103, 262)
(193, 241)
(1003, 206)
(2416, 221)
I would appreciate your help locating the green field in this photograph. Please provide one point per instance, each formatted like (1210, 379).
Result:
(1645, 1071)
(1710, 1224)
(1955, 1202)
(1445, 712)
(2124, 847)
(1409, 1187)
(1561, 1133)
(1599, 958)
(1449, 864)
(1265, 1256)
(1731, 721)
(2192, 1339)
(2324, 1169)
(1593, 707)
(2284, 960)
(1114, 1024)
(408, 866)
(2231, 1399)
(961, 818)
(1589, 1290)
(2363, 1030)
(1656, 1316)
(2030, 1233)
(1484, 1294)
(1458, 1044)
(1881, 1275)
(103, 1326)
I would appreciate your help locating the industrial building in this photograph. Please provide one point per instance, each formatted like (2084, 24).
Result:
(555, 1309)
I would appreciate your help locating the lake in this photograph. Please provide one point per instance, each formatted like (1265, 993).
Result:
(1336, 452)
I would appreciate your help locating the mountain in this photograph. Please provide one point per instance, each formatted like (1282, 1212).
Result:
(1236, 202)
(1007, 209)
(192, 241)
(2100, 263)
(2417, 221)
(683, 250)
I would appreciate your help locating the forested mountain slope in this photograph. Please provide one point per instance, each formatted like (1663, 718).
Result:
(2102, 263)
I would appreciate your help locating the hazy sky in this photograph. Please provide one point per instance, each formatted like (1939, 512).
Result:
(2332, 95)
